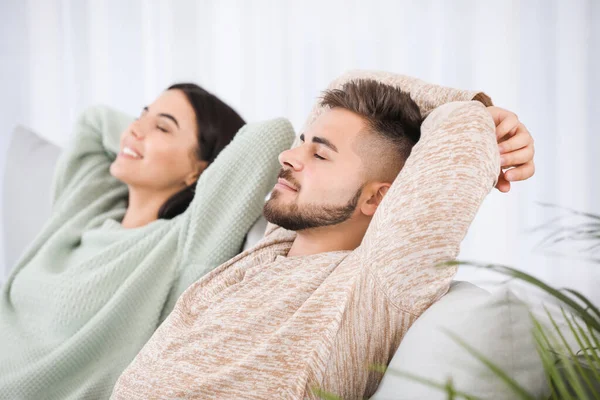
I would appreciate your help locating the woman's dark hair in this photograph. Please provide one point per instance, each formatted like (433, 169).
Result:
(217, 124)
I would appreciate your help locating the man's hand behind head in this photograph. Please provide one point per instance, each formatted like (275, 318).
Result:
(516, 147)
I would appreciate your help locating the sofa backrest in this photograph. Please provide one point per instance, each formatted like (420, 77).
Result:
(26, 189)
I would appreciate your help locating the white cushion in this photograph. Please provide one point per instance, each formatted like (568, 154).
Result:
(255, 233)
(28, 175)
(497, 325)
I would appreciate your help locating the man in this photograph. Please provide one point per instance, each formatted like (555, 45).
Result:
(333, 289)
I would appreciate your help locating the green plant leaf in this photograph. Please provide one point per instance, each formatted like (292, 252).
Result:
(572, 374)
(581, 335)
(558, 387)
(324, 395)
(592, 351)
(573, 305)
(571, 363)
(510, 382)
(572, 211)
(447, 387)
(583, 299)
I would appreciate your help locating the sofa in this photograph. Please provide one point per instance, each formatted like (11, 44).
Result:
(496, 324)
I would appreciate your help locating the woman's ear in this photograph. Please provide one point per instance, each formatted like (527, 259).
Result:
(375, 192)
(191, 179)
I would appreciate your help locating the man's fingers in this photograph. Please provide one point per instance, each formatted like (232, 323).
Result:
(515, 145)
(517, 157)
(503, 185)
(498, 114)
(521, 172)
(521, 139)
(508, 126)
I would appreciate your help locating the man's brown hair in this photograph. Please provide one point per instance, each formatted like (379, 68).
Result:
(388, 112)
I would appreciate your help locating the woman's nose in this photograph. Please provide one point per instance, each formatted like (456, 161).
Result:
(137, 129)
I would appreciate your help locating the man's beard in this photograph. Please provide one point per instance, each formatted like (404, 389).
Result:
(295, 218)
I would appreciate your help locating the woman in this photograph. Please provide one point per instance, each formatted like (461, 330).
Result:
(141, 210)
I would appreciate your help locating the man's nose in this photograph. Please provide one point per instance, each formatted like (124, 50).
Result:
(290, 158)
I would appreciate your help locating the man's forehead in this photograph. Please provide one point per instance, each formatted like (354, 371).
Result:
(337, 125)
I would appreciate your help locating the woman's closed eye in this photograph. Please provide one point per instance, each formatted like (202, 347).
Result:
(319, 157)
(161, 128)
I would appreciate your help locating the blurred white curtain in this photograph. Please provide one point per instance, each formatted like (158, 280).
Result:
(271, 58)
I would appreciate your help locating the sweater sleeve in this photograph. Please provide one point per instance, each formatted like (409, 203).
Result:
(230, 196)
(427, 211)
(94, 147)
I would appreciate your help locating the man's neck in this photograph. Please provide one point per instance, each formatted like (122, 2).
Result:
(143, 207)
(326, 239)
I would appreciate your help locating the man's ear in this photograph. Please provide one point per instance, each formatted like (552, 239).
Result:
(376, 192)
(194, 175)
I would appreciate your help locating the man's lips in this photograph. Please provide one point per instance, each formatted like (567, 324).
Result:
(283, 184)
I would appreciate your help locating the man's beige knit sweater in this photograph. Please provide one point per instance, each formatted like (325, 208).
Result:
(267, 326)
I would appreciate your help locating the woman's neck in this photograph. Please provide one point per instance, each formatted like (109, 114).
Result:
(143, 207)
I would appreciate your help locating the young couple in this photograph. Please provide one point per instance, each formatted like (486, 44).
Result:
(134, 286)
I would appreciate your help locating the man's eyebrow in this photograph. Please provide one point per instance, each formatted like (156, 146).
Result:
(323, 141)
(169, 116)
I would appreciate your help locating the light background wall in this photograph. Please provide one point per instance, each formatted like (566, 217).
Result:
(538, 58)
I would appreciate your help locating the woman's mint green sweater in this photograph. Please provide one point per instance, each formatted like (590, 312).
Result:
(88, 294)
